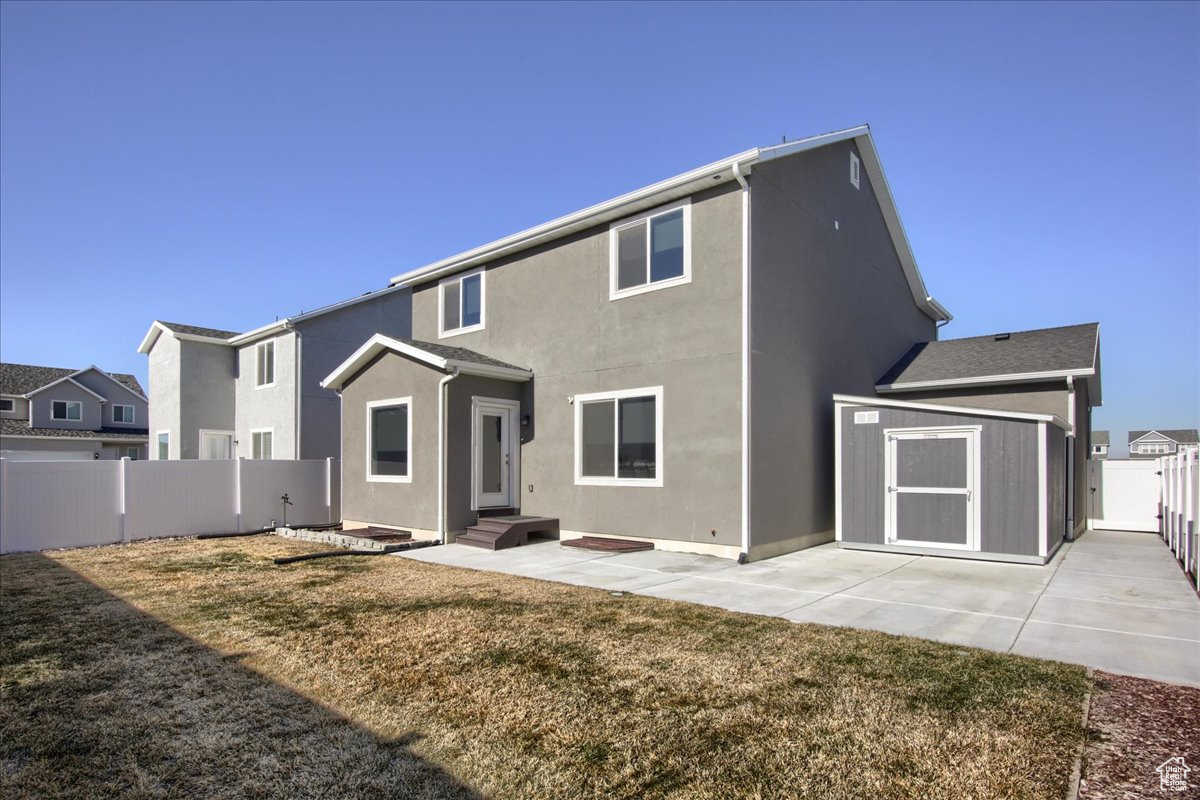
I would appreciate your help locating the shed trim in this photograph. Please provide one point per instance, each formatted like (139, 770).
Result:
(846, 400)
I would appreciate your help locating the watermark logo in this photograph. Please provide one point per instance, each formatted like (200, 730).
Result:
(1172, 774)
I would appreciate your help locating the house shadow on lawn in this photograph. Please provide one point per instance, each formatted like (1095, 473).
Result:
(101, 700)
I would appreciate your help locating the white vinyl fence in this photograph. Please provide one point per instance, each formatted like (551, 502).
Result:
(49, 504)
(1180, 513)
(1123, 495)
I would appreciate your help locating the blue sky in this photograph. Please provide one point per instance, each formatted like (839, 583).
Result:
(224, 164)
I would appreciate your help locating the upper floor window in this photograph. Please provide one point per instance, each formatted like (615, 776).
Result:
(264, 374)
(122, 413)
(66, 409)
(618, 438)
(7, 404)
(650, 252)
(1153, 449)
(461, 303)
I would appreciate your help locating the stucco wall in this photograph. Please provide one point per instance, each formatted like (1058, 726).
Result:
(831, 311)
(325, 342)
(272, 406)
(164, 410)
(206, 371)
(548, 310)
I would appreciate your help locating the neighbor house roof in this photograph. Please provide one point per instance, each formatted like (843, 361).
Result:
(1180, 436)
(1017, 357)
(1100, 437)
(706, 177)
(439, 356)
(23, 379)
(19, 428)
(214, 336)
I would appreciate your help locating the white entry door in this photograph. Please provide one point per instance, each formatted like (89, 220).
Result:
(216, 445)
(495, 451)
(932, 475)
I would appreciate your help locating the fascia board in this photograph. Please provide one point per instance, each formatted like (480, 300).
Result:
(983, 380)
(855, 400)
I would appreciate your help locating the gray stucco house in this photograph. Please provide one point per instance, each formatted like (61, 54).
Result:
(973, 447)
(52, 412)
(657, 366)
(1162, 442)
(221, 394)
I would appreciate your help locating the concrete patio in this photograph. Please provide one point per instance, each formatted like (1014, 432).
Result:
(1113, 600)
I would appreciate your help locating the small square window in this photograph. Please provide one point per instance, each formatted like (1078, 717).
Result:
(262, 444)
(462, 301)
(133, 453)
(650, 252)
(123, 414)
(7, 404)
(264, 364)
(66, 410)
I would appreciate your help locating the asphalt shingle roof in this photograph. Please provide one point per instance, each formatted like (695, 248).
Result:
(1021, 352)
(1100, 437)
(20, 427)
(1180, 436)
(24, 378)
(196, 330)
(457, 353)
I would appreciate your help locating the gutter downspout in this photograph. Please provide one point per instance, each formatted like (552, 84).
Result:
(297, 376)
(744, 556)
(1071, 442)
(441, 456)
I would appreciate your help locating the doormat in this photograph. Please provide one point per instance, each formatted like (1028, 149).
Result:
(604, 544)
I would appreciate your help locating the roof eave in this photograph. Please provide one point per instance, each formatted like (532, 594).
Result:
(983, 380)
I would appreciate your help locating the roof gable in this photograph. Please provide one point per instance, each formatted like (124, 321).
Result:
(1024, 356)
(23, 379)
(727, 170)
(1177, 435)
(439, 356)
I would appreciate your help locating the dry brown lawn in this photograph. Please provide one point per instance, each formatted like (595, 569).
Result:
(182, 668)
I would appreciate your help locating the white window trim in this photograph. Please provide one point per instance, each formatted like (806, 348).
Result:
(973, 434)
(613, 262)
(258, 348)
(395, 401)
(262, 430)
(459, 277)
(12, 405)
(133, 414)
(157, 434)
(232, 442)
(67, 411)
(649, 391)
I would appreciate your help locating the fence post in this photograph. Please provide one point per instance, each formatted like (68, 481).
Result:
(329, 489)
(123, 496)
(237, 491)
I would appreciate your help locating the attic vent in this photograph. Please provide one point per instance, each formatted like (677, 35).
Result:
(1002, 337)
(866, 417)
(854, 170)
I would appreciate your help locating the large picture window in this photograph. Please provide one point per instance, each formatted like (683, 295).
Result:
(650, 252)
(389, 440)
(618, 438)
(66, 409)
(461, 309)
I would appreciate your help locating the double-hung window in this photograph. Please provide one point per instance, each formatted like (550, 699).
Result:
(66, 409)
(264, 374)
(461, 303)
(619, 437)
(122, 413)
(650, 252)
(389, 440)
(262, 444)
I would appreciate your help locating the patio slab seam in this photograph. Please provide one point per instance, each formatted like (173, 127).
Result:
(1057, 566)
(1060, 596)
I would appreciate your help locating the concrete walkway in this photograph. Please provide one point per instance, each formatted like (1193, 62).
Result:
(1112, 600)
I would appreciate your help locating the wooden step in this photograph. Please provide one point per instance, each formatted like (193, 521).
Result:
(499, 533)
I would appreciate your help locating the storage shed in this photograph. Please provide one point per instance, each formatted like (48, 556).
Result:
(943, 480)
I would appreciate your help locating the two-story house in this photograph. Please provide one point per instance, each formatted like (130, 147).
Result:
(657, 366)
(221, 394)
(1100, 444)
(1163, 442)
(57, 413)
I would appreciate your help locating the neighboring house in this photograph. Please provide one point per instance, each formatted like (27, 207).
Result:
(1100, 445)
(657, 366)
(221, 394)
(1159, 443)
(56, 413)
(1053, 371)
(972, 447)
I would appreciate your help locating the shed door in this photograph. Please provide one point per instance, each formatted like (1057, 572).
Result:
(932, 476)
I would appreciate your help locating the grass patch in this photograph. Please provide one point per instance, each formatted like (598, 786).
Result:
(181, 668)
